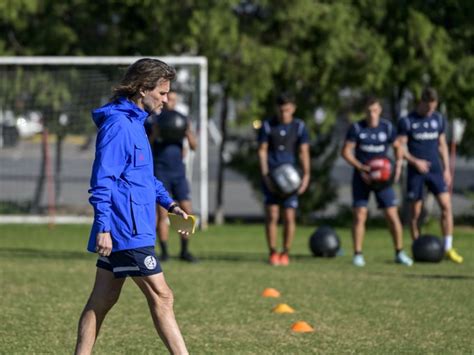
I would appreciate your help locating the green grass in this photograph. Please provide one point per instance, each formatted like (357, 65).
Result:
(46, 276)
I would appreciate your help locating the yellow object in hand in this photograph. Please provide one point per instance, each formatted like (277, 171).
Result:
(180, 225)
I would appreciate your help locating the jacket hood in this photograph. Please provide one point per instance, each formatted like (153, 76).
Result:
(118, 108)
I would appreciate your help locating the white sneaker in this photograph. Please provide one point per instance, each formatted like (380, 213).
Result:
(358, 260)
(403, 258)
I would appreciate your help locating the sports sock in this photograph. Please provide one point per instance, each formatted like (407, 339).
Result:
(272, 251)
(164, 247)
(358, 253)
(184, 245)
(448, 242)
(397, 251)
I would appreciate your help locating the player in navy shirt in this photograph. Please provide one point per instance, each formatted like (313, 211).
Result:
(169, 168)
(371, 138)
(281, 139)
(423, 132)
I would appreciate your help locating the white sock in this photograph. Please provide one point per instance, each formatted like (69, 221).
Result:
(448, 242)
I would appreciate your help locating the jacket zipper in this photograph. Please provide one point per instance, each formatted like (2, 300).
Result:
(134, 225)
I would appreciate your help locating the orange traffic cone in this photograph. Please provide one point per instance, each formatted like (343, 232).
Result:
(271, 292)
(283, 308)
(302, 327)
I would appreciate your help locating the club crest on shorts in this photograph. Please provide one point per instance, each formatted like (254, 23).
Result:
(150, 262)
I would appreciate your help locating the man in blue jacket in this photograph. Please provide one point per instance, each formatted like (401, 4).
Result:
(124, 193)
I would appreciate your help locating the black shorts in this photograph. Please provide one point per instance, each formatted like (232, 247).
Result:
(133, 262)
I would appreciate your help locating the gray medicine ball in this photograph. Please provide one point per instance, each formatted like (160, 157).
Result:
(324, 242)
(428, 248)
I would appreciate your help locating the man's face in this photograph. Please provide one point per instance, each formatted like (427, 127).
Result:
(153, 100)
(286, 111)
(374, 111)
(426, 108)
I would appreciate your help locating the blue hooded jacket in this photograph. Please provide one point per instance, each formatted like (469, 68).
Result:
(124, 191)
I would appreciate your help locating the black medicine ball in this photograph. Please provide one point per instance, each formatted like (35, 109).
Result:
(428, 248)
(286, 179)
(324, 242)
(172, 126)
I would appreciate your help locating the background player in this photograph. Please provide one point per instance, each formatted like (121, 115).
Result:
(423, 132)
(168, 155)
(281, 139)
(371, 138)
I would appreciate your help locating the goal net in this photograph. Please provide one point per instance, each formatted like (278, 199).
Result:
(47, 135)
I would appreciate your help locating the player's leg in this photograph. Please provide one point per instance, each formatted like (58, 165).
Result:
(185, 254)
(415, 184)
(444, 201)
(396, 230)
(359, 217)
(104, 295)
(162, 225)
(289, 227)
(160, 301)
(416, 207)
(360, 200)
(182, 194)
(162, 231)
(272, 214)
(387, 200)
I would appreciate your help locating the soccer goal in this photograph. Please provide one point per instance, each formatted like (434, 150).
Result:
(47, 135)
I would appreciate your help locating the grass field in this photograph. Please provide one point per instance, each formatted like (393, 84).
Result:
(46, 276)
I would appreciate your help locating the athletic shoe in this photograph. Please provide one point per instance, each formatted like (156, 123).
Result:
(358, 260)
(284, 259)
(403, 258)
(190, 258)
(453, 255)
(274, 259)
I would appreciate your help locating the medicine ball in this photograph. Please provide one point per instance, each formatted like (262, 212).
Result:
(428, 248)
(324, 242)
(172, 126)
(382, 172)
(286, 179)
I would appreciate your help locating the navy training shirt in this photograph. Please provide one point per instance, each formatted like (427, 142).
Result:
(283, 140)
(423, 136)
(371, 142)
(168, 156)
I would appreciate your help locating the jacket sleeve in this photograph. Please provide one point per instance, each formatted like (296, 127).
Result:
(111, 158)
(162, 195)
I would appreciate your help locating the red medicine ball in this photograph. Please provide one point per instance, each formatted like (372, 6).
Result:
(380, 169)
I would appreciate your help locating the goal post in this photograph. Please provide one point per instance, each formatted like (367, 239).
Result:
(200, 99)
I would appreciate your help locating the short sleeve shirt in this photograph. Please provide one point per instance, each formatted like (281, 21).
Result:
(283, 140)
(423, 136)
(371, 142)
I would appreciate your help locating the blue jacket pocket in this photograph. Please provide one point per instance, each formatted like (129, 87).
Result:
(140, 156)
(143, 212)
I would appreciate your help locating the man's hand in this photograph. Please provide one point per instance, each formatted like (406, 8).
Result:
(398, 170)
(304, 184)
(364, 171)
(423, 166)
(447, 177)
(268, 183)
(103, 244)
(180, 212)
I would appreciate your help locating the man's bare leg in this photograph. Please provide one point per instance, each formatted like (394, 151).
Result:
(395, 226)
(271, 225)
(160, 301)
(104, 295)
(416, 208)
